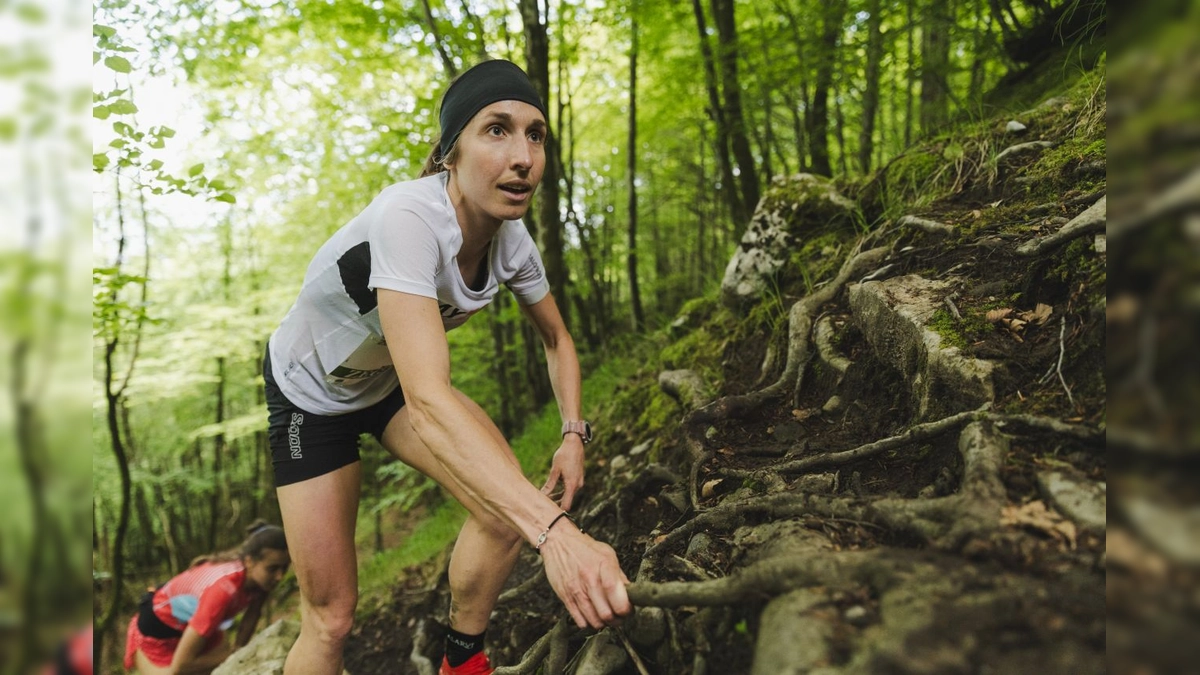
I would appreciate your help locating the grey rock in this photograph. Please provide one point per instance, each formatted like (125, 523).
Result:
(790, 210)
(687, 387)
(1173, 530)
(894, 315)
(602, 654)
(647, 627)
(640, 448)
(617, 463)
(1014, 127)
(818, 483)
(788, 432)
(698, 545)
(1081, 500)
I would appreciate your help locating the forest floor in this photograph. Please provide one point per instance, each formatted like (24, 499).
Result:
(867, 517)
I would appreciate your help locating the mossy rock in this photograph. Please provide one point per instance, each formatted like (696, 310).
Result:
(793, 210)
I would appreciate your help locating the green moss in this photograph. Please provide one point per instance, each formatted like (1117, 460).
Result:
(699, 350)
(944, 324)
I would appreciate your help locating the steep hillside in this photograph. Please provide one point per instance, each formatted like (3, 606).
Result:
(880, 450)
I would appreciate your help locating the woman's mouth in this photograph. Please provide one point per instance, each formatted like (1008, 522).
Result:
(519, 191)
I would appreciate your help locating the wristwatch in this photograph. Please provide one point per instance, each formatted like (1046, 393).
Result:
(580, 427)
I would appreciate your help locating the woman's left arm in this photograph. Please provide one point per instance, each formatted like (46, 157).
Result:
(563, 364)
(249, 622)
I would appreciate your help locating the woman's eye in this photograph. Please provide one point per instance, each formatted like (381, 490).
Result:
(536, 137)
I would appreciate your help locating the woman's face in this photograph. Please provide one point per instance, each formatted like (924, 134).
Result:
(267, 571)
(501, 157)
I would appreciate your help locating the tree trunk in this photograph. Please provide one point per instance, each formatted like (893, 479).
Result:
(537, 59)
(635, 296)
(912, 72)
(716, 113)
(935, 60)
(866, 139)
(723, 15)
(500, 367)
(439, 41)
(214, 504)
(818, 117)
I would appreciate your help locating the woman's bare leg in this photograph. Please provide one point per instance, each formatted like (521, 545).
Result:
(486, 549)
(319, 516)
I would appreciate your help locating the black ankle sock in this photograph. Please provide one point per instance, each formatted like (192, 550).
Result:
(460, 646)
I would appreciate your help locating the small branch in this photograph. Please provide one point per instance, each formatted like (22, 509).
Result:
(1062, 332)
(925, 225)
(694, 477)
(637, 660)
(953, 308)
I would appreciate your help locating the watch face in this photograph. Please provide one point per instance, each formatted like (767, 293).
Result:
(587, 432)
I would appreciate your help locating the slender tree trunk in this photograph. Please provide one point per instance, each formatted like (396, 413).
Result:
(723, 16)
(635, 295)
(935, 59)
(716, 113)
(214, 503)
(818, 117)
(31, 448)
(477, 27)
(537, 58)
(866, 139)
(839, 121)
(439, 42)
(912, 72)
(500, 368)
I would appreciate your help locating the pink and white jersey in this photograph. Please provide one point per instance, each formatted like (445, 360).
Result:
(206, 597)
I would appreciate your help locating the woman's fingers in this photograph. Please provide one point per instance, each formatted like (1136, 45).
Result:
(551, 481)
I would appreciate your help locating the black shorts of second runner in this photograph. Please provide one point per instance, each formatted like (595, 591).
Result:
(306, 445)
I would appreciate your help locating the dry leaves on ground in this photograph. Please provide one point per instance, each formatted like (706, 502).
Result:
(1036, 516)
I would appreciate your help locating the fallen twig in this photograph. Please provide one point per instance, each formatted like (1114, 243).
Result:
(1094, 219)
(1062, 332)
(637, 660)
(536, 654)
(925, 225)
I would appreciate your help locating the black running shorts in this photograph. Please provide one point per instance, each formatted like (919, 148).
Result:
(306, 445)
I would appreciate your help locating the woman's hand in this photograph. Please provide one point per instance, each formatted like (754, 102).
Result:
(567, 467)
(586, 576)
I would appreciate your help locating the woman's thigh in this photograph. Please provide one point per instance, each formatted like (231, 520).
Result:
(146, 667)
(318, 517)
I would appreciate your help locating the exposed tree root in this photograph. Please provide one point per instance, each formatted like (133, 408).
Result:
(1092, 220)
(823, 336)
(923, 432)
(420, 643)
(800, 320)
(538, 653)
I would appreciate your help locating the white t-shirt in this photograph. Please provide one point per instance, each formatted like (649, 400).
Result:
(328, 355)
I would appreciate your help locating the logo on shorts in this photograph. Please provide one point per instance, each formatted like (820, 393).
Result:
(294, 435)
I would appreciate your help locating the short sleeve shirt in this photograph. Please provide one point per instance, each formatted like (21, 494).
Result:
(206, 597)
(329, 355)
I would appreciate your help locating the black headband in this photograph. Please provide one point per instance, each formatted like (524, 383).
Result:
(478, 88)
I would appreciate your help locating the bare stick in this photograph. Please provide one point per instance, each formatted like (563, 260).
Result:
(925, 225)
(637, 660)
(1062, 332)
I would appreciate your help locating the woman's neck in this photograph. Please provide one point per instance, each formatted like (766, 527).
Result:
(478, 228)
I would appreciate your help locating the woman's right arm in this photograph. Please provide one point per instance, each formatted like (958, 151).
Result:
(190, 656)
(583, 572)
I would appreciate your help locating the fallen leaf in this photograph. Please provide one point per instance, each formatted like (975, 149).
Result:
(801, 415)
(1038, 315)
(995, 315)
(709, 487)
(1036, 516)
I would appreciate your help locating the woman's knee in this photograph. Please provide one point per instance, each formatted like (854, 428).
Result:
(331, 617)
